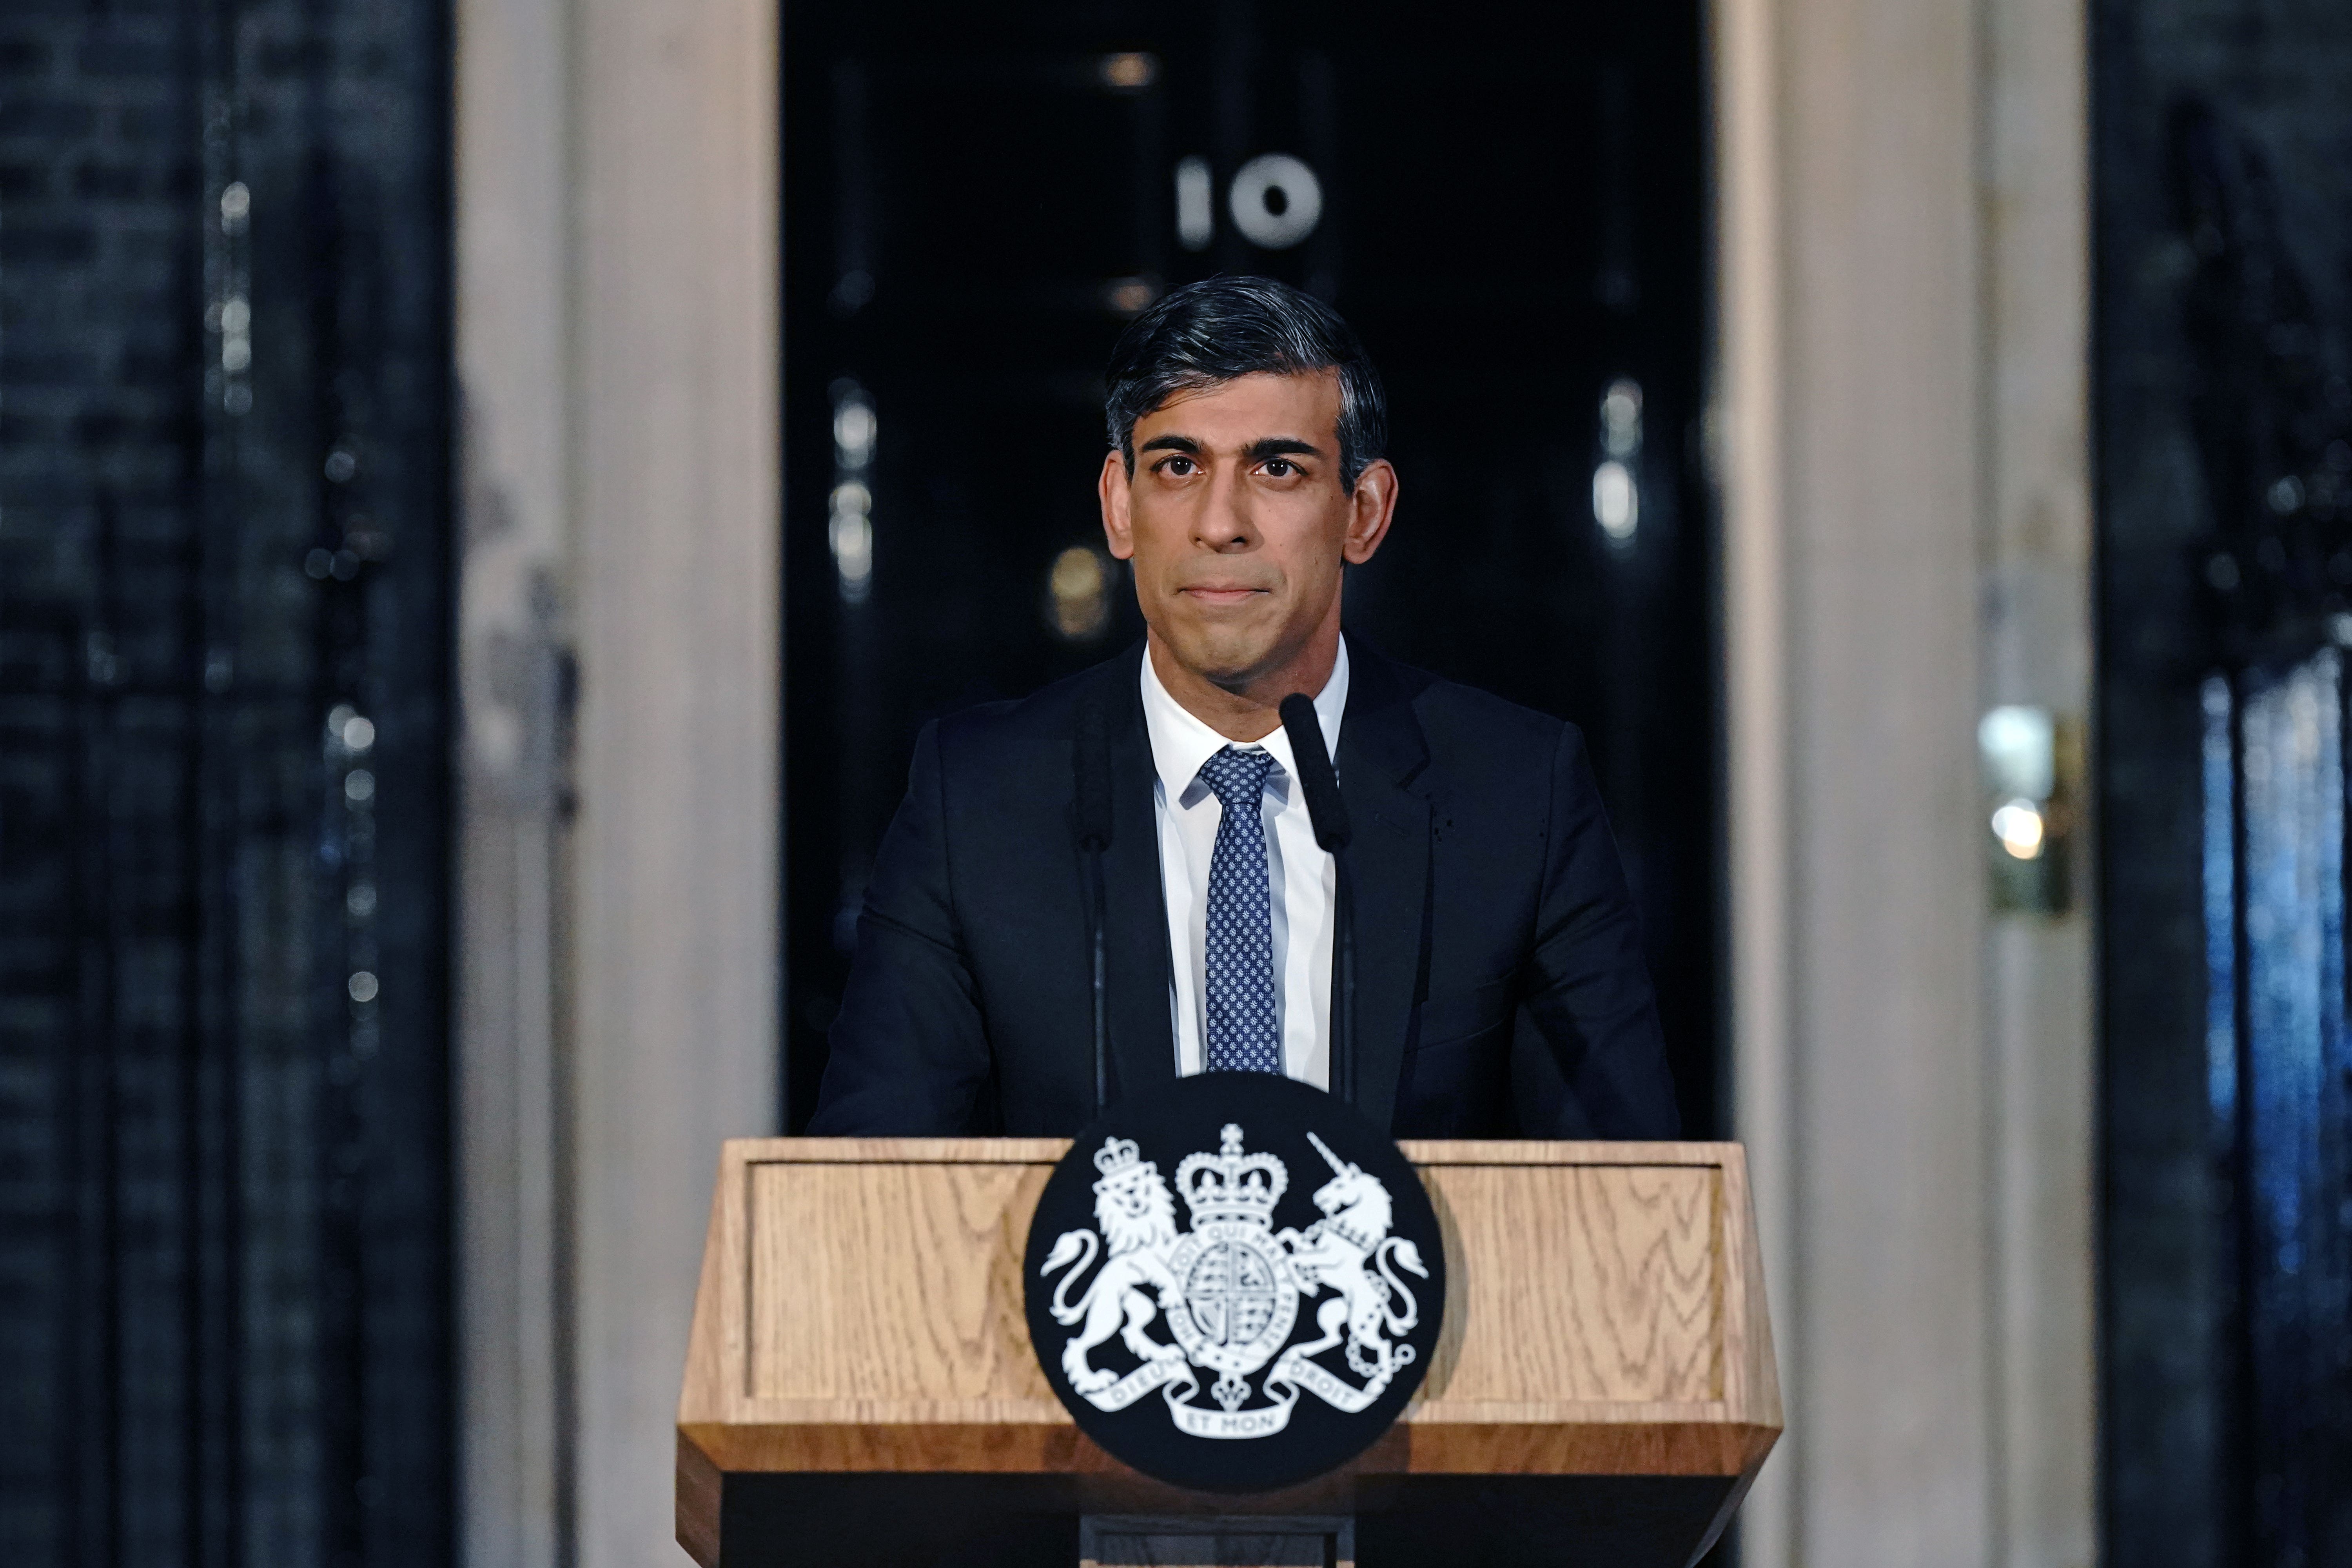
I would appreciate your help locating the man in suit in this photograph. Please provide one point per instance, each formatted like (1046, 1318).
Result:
(1500, 989)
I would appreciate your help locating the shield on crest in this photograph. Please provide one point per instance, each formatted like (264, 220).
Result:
(1275, 1334)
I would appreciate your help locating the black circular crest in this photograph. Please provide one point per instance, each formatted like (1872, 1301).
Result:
(1234, 1283)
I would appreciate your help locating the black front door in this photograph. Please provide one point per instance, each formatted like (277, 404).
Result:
(1507, 207)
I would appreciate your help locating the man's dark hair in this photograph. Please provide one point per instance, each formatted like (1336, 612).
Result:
(1222, 329)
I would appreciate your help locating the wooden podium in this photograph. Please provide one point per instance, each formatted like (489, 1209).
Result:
(860, 1387)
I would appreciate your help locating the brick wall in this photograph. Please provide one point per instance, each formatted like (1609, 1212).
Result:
(223, 406)
(2223, 433)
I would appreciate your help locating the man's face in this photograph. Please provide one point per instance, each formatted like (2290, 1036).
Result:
(1237, 524)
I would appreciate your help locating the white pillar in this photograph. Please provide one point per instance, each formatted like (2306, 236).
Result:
(514, 307)
(617, 348)
(2037, 607)
(1901, 428)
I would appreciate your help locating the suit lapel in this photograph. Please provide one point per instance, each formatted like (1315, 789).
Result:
(1381, 755)
(1143, 1050)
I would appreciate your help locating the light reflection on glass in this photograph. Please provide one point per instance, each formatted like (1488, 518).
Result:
(236, 334)
(350, 736)
(2291, 772)
(1616, 486)
(1616, 503)
(1130, 295)
(2221, 915)
(2017, 746)
(1078, 594)
(852, 432)
(1621, 417)
(849, 528)
(853, 554)
(2018, 825)
(1129, 72)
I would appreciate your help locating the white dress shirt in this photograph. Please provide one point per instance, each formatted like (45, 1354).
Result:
(1299, 875)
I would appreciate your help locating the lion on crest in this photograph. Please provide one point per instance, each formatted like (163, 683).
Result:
(1137, 1215)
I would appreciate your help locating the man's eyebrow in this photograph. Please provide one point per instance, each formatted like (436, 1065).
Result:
(1256, 452)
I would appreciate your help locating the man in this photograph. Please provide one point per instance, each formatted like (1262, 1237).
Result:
(1500, 989)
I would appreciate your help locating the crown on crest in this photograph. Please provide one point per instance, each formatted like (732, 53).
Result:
(1118, 1161)
(1231, 1185)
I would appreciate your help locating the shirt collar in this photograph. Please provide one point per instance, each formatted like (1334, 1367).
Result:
(1180, 743)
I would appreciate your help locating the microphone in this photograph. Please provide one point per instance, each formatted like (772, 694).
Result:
(1325, 809)
(1092, 766)
(1328, 813)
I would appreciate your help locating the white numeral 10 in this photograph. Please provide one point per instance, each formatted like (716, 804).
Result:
(1275, 202)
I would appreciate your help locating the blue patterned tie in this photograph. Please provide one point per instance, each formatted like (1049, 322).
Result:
(1242, 1037)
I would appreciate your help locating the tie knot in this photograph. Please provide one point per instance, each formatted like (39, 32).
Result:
(1237, 777)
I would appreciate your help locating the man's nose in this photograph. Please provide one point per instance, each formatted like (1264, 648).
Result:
(1223, 523)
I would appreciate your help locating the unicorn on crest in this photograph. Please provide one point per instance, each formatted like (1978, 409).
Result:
(1350, 1249)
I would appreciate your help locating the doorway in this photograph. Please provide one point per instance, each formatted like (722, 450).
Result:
(1507, 205)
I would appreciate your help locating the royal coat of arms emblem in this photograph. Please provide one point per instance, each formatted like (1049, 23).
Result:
(1227, 1292)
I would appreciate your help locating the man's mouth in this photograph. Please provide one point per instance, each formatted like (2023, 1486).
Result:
(1209, 595)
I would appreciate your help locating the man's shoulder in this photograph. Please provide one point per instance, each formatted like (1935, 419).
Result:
(1465, 725)
(1452, 702)
(995, 732)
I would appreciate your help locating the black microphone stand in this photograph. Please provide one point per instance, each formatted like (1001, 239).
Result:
(1094, 824)
(1328, 813)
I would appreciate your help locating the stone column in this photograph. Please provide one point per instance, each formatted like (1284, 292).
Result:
(617, 345)
(1900, 433)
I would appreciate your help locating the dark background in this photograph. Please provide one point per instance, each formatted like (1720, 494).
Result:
(223, 1112)
(977, 200)
(2222, 231)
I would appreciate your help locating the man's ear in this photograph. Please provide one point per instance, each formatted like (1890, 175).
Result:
(1369, 512)
(1116, 491)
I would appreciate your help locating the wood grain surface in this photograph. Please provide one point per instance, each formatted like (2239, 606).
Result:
(1613, 1288)
(861, 1309)
(840, 1253)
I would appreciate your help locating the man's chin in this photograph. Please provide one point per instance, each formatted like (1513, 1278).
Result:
(1227, 661)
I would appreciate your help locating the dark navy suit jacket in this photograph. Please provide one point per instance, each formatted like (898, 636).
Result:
(1500, 986)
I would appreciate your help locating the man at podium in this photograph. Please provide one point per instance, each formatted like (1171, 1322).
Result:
(1498, 986)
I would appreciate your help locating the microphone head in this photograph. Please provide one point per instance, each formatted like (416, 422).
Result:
(1093, 759)
(1324, 809)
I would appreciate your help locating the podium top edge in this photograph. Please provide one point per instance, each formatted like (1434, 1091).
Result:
(1047, 1150)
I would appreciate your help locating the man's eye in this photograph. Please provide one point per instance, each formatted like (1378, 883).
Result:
(1177, 466)
(1279, 469)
